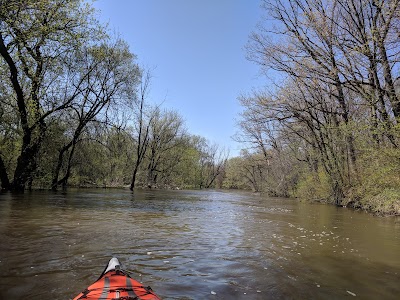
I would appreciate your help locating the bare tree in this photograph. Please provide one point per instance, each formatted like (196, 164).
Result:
(143, 127)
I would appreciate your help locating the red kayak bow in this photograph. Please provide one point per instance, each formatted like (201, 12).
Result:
(116, 284)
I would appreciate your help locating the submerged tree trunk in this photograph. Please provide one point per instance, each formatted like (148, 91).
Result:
(5, 182)
(132, 186)
(26, 161)
(55, 182)
(143, 130)
(64, 181)
(26, 164)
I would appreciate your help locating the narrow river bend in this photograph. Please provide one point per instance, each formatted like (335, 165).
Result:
(187, 244)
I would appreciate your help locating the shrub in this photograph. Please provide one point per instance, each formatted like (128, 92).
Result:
(314, 187)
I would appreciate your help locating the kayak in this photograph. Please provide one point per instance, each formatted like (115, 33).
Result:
(115, 283)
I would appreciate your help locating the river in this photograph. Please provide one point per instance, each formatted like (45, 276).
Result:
(195, 245)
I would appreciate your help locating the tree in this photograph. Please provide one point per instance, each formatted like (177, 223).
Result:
(337, 59)
(142, 127)
(234, 178)
(118, 157)
(166, 134)
(212, 161)
(109, 74)
(37, 39)
(367, 40)
(308, 52)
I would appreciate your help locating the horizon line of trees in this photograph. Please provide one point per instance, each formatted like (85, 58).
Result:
(74, 106)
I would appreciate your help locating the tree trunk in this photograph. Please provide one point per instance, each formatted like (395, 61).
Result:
(387, 74)
(26, 164)
(135, 170)
(337, 193)
(55, 182)
(5, 183)
(26, 161)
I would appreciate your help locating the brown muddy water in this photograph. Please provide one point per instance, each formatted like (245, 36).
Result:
(195, 245)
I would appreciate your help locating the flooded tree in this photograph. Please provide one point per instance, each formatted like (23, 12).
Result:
(37, 39)
(109, 74)
(212, 161)
(143, 117)
(166, 133)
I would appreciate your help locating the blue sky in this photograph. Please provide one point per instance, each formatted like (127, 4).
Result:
(196, 51)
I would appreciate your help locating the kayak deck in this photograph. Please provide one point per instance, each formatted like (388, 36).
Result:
(115, 283)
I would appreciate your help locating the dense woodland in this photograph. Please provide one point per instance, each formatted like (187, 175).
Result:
(329, 129)
(75, 110)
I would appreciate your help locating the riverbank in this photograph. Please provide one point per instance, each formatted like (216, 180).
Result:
(362, 197)
(381, 203)
(374, 185)
(384, 201)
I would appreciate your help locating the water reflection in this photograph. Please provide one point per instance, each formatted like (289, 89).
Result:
(186, 244)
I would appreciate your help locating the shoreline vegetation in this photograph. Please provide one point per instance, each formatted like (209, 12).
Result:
(75, 107)
(384, 204)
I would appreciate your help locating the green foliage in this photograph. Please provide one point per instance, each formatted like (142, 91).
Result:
(89, 166)
(39, 41)
(47, 157)
(378, 187)
(314, 187)
(117, 158)
(64, 116)
(234, 178)
(387, 201)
